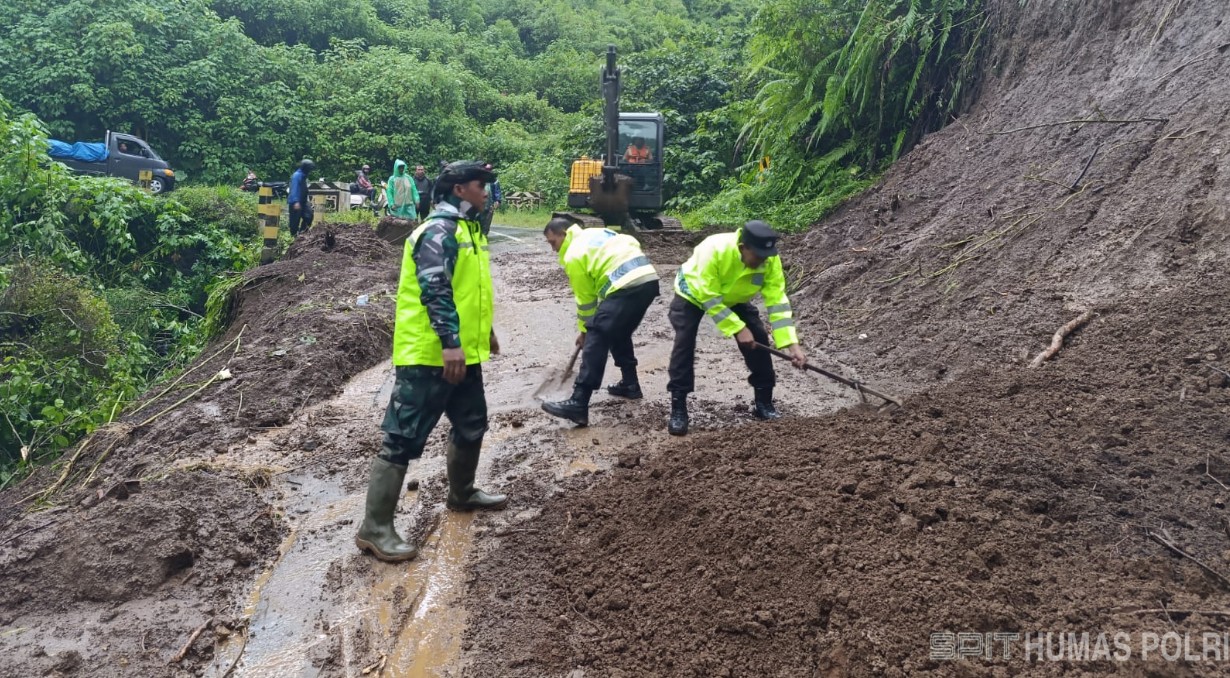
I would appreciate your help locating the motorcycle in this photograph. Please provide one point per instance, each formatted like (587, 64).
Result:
(374, 202)
(251, 184)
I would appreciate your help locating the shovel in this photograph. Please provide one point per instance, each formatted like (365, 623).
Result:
(554, 380)
(863, 389)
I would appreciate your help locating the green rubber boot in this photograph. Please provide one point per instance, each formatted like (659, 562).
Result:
(462, 495)
(377, 534)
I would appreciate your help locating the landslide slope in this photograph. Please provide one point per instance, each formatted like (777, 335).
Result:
(989, 234)
(1002, 498)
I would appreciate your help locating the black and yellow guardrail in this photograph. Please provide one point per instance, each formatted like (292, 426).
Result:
(270, 219)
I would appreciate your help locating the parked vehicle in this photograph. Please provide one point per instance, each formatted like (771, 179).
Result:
(119, 155)
(252, 184)
(375, 203)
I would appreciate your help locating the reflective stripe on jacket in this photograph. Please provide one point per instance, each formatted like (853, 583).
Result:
(600, 262)
(445, 297)
(714, 278)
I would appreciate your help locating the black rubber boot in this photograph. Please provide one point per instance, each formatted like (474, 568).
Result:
(462, 463)
(628, 385)
(574, 409)
(678, 424)
(763, 408)
(376, 534)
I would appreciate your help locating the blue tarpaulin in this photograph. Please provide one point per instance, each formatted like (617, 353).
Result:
(82, 150)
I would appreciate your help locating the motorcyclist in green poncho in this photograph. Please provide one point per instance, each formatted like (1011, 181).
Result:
(403, 197)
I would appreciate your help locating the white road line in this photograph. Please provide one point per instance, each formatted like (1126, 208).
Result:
(505, 235)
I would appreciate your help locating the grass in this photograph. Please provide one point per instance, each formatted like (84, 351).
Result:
(355, 216)
(535, 218)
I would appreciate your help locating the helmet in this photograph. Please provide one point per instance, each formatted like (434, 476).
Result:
(307, 165)
(460, 172)
(367, 168)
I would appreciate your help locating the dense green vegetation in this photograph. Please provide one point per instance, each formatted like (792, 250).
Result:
(843, 88)
(102, 287)
(831, 91)
(223, 85)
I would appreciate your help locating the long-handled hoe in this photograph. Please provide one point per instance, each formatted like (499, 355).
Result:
(863, 389)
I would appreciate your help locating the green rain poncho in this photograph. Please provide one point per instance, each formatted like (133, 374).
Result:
(403, 197)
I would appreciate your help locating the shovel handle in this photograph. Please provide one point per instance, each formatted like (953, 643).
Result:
(852, 383)
(572, 362)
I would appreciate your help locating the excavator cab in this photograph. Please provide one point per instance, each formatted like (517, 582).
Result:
(624, 186)
(640, 137)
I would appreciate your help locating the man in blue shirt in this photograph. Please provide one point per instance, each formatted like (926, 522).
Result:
(301, 213)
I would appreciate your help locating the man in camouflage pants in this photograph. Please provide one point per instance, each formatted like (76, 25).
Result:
(442, 336)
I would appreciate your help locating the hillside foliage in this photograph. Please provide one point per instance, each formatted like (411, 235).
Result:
(777, 110)
(102, 288)
(829, 90)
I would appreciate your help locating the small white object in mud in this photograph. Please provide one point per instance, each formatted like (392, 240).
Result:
(224, 374)
(863, 337)
(361, 301)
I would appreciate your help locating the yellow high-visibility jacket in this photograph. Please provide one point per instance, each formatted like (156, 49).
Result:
(714, 278)
(600, 262)
(445, 298)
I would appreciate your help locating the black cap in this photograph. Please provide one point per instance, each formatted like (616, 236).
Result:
(460, 172)
(760, 237)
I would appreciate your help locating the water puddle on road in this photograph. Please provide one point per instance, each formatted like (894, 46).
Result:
(430, 639)
(417, 603)
(322, 601)
(325, 609)
(285, 604)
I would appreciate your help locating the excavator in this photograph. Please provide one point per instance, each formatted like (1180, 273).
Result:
(624, 187)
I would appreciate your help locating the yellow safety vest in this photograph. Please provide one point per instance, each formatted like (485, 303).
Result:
(414, 340)
(714, 278)
(600, 262)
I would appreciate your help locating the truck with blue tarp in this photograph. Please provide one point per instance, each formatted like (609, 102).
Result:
(118, 155)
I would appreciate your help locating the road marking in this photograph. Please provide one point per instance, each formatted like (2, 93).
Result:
(505, 235)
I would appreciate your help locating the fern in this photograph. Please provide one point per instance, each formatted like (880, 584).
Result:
(845, 87)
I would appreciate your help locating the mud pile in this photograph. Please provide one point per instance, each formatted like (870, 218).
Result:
(1010, 501)
(1002, 498)
(158, 516)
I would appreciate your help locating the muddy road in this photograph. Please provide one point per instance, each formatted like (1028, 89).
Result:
(307, 603)
(323, 609)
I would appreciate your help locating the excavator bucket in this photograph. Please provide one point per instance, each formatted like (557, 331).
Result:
(610, 203)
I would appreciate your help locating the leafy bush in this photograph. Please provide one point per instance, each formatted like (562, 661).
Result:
(104, 287)
(227, 208)
(65, 364)
(54, 316)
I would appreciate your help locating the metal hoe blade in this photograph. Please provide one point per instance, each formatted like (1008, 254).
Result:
(555, 380)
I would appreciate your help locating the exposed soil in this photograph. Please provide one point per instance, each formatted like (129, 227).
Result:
(1000, 499)
(973, 248)
(159, 527)
(1010, 501)
(286, 467)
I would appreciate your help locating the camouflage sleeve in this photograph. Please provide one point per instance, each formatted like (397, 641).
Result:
(435, 257)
